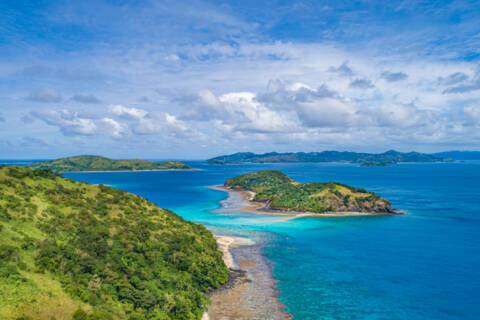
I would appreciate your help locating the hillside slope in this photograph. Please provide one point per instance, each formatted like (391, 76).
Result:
(279, 192)
(71, 248)
(98, 163)
(389, 157)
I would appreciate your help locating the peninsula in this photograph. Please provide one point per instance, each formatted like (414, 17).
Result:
(98, 163)
(272, 191)
(70, 250)
(365, 159)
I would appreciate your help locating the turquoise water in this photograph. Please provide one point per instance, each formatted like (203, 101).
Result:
(423, 265)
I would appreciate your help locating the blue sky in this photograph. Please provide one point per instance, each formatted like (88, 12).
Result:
(194, 79)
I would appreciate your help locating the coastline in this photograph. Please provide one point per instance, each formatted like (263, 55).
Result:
(149, 170)
(250, 292)
(259, 208)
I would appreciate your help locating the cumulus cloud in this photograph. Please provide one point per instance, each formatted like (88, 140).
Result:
(285, 95)
(293, 111)
(119, 122)
(86, 98)
(70, 123)
(462, 83)
(363, 83)
(239, 111)
(473, 86)
(128, 113)
(453, 78)
(115, 128)
(401, 115)
(344, 70)
(138, 121)
(45, 96)
(326, 112)
(390, 76)
(313, 107)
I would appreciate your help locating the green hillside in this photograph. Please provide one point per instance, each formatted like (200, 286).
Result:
(97, 163)
(70, 250)
(279, 192)
(366, 159)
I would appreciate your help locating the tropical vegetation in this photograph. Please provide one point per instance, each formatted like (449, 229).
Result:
(98, 163)
(70, 250)
(385, 158)
(279, 192)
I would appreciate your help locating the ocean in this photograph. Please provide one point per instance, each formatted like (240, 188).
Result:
(421, 265)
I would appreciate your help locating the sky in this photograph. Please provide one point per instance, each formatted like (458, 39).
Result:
(196, 79)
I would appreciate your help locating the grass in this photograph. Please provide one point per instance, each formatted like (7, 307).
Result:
(67, 246)
(279, 192)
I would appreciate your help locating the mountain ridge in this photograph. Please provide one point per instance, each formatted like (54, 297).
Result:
(388, 157)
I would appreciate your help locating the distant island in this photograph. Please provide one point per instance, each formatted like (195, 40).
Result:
(71, 250)
(273, 191)
(98, 163)
(459, 155)
(365, 159)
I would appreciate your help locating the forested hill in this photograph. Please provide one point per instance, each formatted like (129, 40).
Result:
(279, 192)
(388, 157)
(459, 155)
(71, 250)
(98, 163)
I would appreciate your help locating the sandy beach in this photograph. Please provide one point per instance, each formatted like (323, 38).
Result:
(260, 208)
(250, 293)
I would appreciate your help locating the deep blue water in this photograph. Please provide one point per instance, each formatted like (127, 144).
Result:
(423, 265)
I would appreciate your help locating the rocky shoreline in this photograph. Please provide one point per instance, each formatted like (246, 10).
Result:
(250, 292)
(262, 208)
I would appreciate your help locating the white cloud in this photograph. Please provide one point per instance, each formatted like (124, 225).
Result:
(69, 123)
(115, 128)
(402, 115)
(327, 112)
(129, 113)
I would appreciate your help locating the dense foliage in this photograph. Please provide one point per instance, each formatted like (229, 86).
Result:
(97, 163)
(279, 192)
(385, 158)
(73, 250)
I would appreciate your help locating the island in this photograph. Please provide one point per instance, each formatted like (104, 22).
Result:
(98, 163)
(70, 250)
(271, 191)
(364, 159)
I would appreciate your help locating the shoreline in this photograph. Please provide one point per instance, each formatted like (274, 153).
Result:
(250, 292)
(124, 171)
(259, 208)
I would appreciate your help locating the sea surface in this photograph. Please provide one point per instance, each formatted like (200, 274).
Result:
(422, 265)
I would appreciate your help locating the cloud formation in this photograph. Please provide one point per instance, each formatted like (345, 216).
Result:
(393, 76)
(86, 98)
(45, 96)
(213, 79)
(361, 84)
(70, 123)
